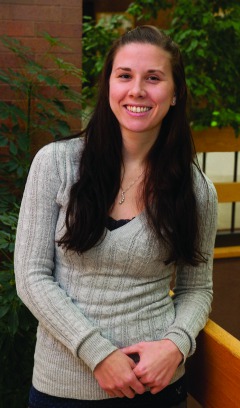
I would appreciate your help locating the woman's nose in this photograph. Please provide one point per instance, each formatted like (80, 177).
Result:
(137, 89)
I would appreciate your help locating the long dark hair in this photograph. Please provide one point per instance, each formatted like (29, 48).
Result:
(168, 194)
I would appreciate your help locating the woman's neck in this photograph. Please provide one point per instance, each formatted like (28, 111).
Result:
(136, 147)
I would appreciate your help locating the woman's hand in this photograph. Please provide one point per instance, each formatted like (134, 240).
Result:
(158, 363)
(115, 376)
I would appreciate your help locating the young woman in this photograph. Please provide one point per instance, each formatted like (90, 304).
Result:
(105, 222)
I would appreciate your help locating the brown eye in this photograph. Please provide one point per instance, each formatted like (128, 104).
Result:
(124, 76)
(153, 78)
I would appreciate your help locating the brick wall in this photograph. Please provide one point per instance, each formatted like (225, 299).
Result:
(27, 19)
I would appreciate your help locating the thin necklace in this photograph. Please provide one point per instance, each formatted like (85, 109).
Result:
(123, 192)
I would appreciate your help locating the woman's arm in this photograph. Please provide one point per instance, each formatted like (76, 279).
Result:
(192, 302)
(194, 288)
(34, 259)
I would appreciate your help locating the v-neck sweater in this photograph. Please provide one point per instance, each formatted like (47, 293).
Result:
(115, 294)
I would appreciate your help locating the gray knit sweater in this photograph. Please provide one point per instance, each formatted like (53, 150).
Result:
(115, 295)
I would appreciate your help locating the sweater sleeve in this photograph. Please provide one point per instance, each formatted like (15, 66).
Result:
(193, 288)
(34, 263)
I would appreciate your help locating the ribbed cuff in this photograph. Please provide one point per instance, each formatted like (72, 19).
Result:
(94, 349)
(182, 342)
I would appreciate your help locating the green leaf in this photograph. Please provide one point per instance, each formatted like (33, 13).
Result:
(4, 310)
(4, 77)
(11, 166)
(4, 110)
(11, 247)
(60, 106)
(55, 42)
(49, 80)
(13, 321)
(20, 171)
(13, 148)
(62, 128)
(193, 45)
(3, 141)
(23, 143)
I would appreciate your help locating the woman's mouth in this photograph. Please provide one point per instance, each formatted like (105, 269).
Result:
(137, 109)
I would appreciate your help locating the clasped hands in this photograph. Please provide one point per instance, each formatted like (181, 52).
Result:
(120, 376)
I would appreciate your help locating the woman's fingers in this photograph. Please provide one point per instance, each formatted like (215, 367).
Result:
(137, 386)
(158, 362)
(115, 376)
(119, 394)
(134, 349)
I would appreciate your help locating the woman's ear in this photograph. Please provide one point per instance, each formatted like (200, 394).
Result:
(174, 100)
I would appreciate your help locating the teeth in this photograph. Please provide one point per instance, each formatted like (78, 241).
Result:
(138, 109)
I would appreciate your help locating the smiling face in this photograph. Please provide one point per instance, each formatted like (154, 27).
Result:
(141, 88)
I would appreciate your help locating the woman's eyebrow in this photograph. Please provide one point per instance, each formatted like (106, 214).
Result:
(123, 69)
(149, 71)
(152, 71)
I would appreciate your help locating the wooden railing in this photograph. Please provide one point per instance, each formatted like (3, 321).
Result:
(214, 370)
(223, 140)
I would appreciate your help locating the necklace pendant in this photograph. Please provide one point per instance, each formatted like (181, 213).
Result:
(122, 198)
(123, 192)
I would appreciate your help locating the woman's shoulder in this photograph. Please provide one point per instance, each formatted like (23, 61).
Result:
(61, 152)
(68, 148)
(60, 159)
(204, 187)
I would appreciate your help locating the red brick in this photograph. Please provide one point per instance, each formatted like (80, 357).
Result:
(73, 107)
(53, 93)
(74, 58)
(6, 94)
(35, 13)
(71, 15)
(40, 45)
(59, 29)
(49, 92)
(67, 79)
(2, 48)
(9, 60)
(5, 12)
(71, 80)
(17, 29)
(18, 1)
(76, 3)
(76, 123)
(4, 151)
(38, 140)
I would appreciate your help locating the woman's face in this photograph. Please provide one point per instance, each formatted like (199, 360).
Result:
(141, 88)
